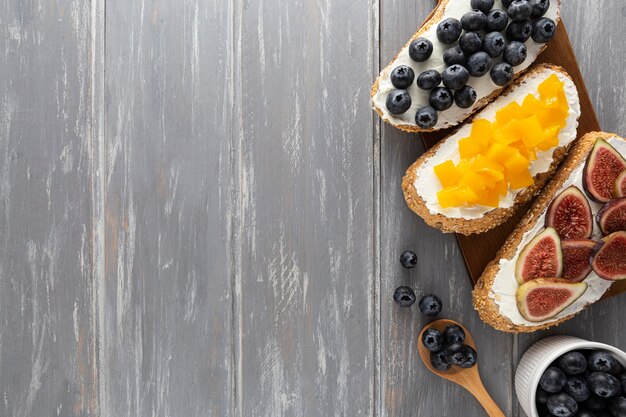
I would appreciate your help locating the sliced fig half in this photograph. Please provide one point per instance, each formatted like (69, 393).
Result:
(544, 298)
(570, 214)
(620, 186)
(612, 217)
(577, 259)
(604, 164)
(541, 258)
(608, 258)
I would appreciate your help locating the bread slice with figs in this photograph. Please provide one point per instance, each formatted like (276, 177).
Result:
(476, 178)
(459, 60)
(567, 250)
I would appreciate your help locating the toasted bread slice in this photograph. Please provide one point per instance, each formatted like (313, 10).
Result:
(485, 88)
(497, 286)
(419, 182)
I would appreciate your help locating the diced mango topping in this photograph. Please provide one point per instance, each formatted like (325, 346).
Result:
(497, 155)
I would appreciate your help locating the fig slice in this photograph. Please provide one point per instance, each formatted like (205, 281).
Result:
(577, 259)
(570, 214)
(620, 186)
(612, 217)
(604, 164)
(544, 298)
(609, 257)
(541, 258)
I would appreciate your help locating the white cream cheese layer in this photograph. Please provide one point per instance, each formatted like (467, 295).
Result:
(505, 285)
(427, 184)
(483, 85)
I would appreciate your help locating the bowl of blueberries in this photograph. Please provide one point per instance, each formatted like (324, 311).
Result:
(564, 376)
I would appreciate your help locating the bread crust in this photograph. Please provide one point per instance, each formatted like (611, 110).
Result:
(496, 216)
(432, 19)
(487, 308)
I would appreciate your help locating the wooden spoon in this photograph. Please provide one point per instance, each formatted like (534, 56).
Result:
(467, 378)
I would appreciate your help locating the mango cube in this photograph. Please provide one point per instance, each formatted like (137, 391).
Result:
(468, 148)
(447, 173)
(520, 180)
(509, 112)
(481, 132)
(530, 131)
(516, 164)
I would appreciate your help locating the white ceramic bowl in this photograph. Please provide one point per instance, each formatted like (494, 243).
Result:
(540, 355)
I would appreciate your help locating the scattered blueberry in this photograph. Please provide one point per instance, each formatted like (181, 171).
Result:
(398, 101)
(519, 10)
(430, 305)
(502, 74)
(622, 379)
(402, 77)
(515, 53)
(562, 405)
(465, 97)
(482, 5)
(539, 8)
(594, 403)
(426, 117)
(449, 30)
(455, 353)
(543, 30)
(542, 395)
(519, 31)
(439, 362)
(474, 20)
(470, 43)
(408, 259)
(553, 380)
(432, 339)
(454, 334)
(454, 56)
(440, 99)
(577, 388)
(404, 297)
(572, 363)
(455, 77)
(604, 385)
(618, 407)
(472, 357)
(494, 44)
(428, 80)
(601, 361)
(585, 413)
(497, 20)
(420, 49)
(479, 64)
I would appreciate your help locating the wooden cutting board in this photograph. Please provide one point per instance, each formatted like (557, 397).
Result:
(479, 250)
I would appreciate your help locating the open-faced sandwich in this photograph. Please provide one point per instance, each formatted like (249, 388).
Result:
(460, 59)
(569, 248)
(476, 178)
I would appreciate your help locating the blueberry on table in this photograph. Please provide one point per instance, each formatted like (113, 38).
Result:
(572, 363)
(494, 44)
(474, 20)
(440, 99)
(426, 117)
(497, 20)
(479, 64)
(562, 405)
(455, 77)
(622, 379)
(543, 30)
(398, 101)
(470, 43)
(454, 334)
(617, 407)
(601, 361)
(420, 49)
(576, 387)
(408, 259)
(430, 305)
(539, 8)
(519, 31)
(456, 353)
(404, 297)
(432, 339)
(553, 380)
(472, 357)
(402, 77)
(449, 30)
(604, 385)
(482, 5)
(428, 80)
(439, 362)
(519, 10)
(465, 97)
(542, 396)
(454, 56)
(515, 53)
(502, 74)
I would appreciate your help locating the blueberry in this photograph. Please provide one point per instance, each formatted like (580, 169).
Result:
(465, 97)
(479, 64)
(519, 10)
(585, 413)
(398, 101)
(482, 5)
(430, 305)
(553, 380)
(539, 8)
(506, 3)
(439, 362)
(402, 77)
(455, 77)
(519, 31)
(622, 379)
(497, 20)
(604, 385)
(404, 297)
(494, 44)
(577, 388)
(470, 43)
(426, 117)
(455, 354)
(428, 80)
(420, 49)
(515, 53)
(543, 30)
(600, 361)
(502, 74)
(472, 357)
(594, 403)
(618, 407)
(542, 410)
(408, 259)
(542, 396)
(572, 363)
(562, 405)
(432, 339)
(449, 30)
(440, 99)
(454, 334)
(475, 20)
(454, 56)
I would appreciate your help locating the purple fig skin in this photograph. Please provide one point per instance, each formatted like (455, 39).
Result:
(594, 253)
(601, 217)
(570, 192)
(582, 244)
(600, 144)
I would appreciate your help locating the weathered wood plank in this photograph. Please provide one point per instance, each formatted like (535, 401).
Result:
(47, 336)
(167, 335)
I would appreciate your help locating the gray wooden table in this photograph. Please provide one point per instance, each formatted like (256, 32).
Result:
(200, 215)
